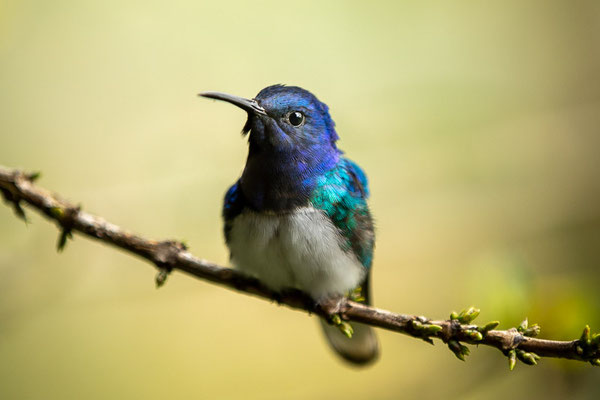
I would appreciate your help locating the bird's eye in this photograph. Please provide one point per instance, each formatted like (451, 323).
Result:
(296, 118)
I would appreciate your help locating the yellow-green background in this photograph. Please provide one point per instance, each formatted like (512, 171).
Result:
(478, 126)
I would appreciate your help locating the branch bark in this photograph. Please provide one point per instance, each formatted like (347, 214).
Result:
(18, 187)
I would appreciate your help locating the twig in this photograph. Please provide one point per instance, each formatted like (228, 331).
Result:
(17, 187)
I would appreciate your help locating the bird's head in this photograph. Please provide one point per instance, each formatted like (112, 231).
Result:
(292, 144)
(285, 119)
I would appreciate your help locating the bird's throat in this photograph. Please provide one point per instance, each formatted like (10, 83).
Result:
(281, 182)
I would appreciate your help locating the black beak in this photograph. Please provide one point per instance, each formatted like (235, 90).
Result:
(250, 106)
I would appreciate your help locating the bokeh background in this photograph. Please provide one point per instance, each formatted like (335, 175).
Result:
(477, 123)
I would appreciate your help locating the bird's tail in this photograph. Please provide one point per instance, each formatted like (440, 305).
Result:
(361, 349)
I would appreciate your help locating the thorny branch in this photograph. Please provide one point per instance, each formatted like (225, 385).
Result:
(18, 187)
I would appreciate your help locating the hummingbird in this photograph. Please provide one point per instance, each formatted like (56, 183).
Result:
(298, 215)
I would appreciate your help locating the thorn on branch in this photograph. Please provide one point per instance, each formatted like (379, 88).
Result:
(161, 277)
(19, 210)
(66, 219)
(15, 201)
(13, 197)
(459, 350)
(33, 176)
(64, 235)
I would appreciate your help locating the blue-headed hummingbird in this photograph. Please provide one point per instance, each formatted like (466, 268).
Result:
(298, 215)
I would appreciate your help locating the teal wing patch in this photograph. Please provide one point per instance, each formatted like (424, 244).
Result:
(342, 194)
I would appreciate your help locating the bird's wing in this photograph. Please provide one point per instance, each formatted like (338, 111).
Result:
(233, 205)
(342, 194)
(359, 174)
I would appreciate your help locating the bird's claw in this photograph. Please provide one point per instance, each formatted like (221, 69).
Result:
(342, 325)
(333, 308)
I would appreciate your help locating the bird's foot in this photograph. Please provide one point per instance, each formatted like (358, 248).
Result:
(342, 325)
(357, 295)
(333, 309)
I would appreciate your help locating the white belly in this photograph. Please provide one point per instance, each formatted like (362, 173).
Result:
(297, 250)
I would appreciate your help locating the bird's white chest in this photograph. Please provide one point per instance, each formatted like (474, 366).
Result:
(298, 250)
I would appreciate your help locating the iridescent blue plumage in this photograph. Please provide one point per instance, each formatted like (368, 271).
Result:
(298, 215)
(232, 206)
(342, 193)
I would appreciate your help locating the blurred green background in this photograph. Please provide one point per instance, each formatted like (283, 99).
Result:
(478, 125)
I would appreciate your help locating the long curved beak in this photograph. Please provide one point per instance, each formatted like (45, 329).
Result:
(250, 105)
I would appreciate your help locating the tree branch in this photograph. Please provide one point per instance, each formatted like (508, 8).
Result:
(18, 187)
